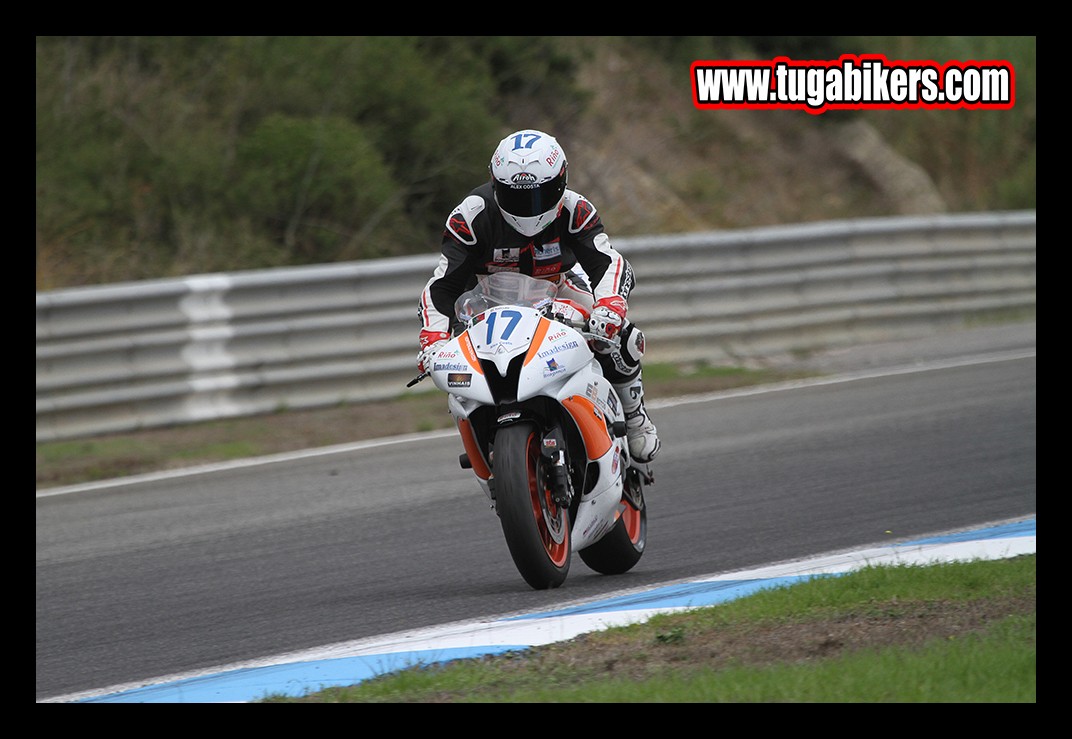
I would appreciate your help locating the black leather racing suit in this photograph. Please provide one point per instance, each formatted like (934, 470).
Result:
(477, 240)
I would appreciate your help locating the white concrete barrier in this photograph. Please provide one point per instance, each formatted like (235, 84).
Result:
(161, 352)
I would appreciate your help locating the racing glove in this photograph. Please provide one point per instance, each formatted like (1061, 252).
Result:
(431, 342)
(607, 319)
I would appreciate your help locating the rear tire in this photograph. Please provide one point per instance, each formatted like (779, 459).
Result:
(537, 530)
(623, 545)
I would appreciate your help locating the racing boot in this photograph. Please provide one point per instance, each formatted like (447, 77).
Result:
(639, 429)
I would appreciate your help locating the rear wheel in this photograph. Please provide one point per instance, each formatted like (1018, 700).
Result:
(623, 545)
(537, 530)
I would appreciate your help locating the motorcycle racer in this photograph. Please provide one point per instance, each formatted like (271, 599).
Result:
(525, 219)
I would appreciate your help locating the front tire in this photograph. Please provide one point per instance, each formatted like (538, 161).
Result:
(537, 530)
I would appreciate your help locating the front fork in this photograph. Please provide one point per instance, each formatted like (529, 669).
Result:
(553, 465)
(556, 468)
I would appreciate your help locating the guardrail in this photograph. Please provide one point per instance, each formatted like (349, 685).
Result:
(162, 352)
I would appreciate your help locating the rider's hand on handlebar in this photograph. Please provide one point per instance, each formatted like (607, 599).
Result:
(607, 319)
(431, 342)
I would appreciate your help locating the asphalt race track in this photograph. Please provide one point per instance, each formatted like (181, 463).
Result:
(180, 573)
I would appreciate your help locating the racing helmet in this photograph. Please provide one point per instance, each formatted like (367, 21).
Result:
(528, 174)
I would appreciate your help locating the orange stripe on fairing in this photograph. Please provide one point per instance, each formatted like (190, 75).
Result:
(472, 449)
(469, 352)
(537, 339)
(590, 422)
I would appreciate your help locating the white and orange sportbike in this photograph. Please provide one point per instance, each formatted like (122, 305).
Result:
(543, 430)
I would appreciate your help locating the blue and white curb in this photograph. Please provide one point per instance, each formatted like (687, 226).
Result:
(349, 663)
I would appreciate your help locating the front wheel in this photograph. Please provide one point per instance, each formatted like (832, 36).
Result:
(537, 530)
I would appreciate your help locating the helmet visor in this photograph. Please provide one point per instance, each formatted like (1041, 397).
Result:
(526, 201)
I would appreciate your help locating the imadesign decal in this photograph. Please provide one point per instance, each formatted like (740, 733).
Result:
(558, 348)
(450, 367)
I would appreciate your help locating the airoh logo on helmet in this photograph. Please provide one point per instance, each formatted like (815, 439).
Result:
(524, 178)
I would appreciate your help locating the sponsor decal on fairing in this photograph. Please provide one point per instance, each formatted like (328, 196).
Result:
(612, 402)
(459, 379)
(558, 348)
(553, 368)
(449, 367)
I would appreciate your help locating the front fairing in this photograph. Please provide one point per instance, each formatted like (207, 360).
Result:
(510, 340)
